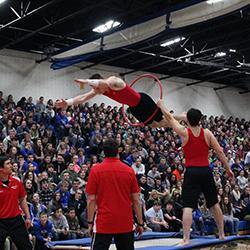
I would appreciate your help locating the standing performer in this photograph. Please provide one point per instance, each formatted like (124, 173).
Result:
(13, 195)
(198, 177)
(141, 105)
(112, 190)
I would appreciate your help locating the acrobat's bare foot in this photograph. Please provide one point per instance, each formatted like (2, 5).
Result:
(184, 243)
(222, 238)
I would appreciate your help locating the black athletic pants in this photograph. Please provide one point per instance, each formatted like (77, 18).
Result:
(15, 228)
(123, 241)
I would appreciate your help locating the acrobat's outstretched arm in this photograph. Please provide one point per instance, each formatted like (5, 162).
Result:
(112, 82)
(76, 100)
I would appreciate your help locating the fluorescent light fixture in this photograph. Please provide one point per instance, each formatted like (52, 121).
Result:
(220, 54)
(214, 1)
(232, 50)
(172, 41)
(1, 1)
(105, 27)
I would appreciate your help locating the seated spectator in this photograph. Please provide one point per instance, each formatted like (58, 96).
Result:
(82, 177)
(217, 180)
(34, 132)
(231, 222)
(27, 150)
(60, 224)
(54, 203)
(227, 191)
(173, 181)
(75, 187)
(36, 207)
(155, 219)
(70, 170)
(132, 157)
(7, 127)
(30, 159)
(242, 180)
(174, 223)
(79, 202)
(245, 202)
(75, 162)
(43, 231)
(198, 222)
(49, 150)
(81, 156)
(45, 193)
(208, 218)
(52, 176)
(162, 167)
(236, 202)
(45, 163)
(30, 190)
(9, 139)
(62, 149)
(13, 153)
(145, 189)
(237, 166)
(178, 205)
(154, 196)
(161, 189)
(30, 106)
(59, 164)
(38, 151)
(32, 177)
(65, 195)
(178, 188)
(62, 124)
(247, 158)
(74, 226)
(138, 166)
(152, 174)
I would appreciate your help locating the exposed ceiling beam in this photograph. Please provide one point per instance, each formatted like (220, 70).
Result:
(61, 20)
(216, 72)
(222, 87)
(183, 74)
(215, 78)
(182, 58)
(74, 33)
(244, 92)
(216, 38)
(201, 52)
(231, 85)
(28, 15)
(131, 52)
(44, 33)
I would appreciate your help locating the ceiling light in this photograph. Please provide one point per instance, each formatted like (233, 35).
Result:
(1, 1)
(214, 1)
(172, 41)
(232, 50)
(105, 27)
(220, 54)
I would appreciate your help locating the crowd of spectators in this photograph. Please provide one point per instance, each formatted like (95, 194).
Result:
(53, 151)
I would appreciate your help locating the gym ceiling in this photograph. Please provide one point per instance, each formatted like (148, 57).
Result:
(219, 49)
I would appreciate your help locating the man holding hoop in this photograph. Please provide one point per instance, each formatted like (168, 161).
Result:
(141, 105)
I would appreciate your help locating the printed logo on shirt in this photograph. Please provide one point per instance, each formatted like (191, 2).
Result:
(14, 187)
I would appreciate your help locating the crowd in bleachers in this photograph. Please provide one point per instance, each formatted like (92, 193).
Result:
(53, 151)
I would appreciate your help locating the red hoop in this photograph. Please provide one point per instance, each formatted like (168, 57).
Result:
(141, 124)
